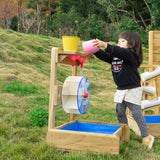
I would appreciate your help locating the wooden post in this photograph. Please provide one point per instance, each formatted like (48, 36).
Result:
(74, 70)
(53, 91)
(150, 43)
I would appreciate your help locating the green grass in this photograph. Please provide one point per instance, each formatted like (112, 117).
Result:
(19, 88)
(24, 86)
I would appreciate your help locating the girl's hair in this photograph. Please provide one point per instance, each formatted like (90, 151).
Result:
(134, 42)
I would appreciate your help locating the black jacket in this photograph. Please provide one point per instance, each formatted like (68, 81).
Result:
(123, 65)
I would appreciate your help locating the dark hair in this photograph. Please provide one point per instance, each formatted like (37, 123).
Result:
(134, 41)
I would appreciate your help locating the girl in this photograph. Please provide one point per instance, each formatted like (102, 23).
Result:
(125, 58)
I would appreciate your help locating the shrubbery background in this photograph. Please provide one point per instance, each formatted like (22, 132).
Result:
(103, 19)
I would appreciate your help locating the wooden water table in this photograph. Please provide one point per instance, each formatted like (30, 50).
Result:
(97, 137)
(153, 120)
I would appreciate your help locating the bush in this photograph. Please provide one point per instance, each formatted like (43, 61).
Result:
(72, 24)
(92, 28)
(123, 26)
(65, 23)
(39, 116)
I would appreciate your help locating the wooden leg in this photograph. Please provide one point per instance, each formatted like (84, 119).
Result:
(71, 117)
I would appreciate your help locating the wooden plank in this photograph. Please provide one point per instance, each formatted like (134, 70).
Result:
(154, 47)
(68, 61)
(123, 132)
(59, 95)
(85, 141)
(74, 71)
(82, 54)
(133, 125)
(97, 122)
(53, 78)
(64, 125)
(62, 58)
(150, 41)
(156, 34)
(156, 50)
(156, 42)
(71, 140)
(156, 58)
(154, 129)
(149, 66)
(70, 52)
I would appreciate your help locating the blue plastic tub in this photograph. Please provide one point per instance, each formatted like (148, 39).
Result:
(92, 128)
(152, 119)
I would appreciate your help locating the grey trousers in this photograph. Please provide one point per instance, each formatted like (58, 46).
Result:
(136, 113)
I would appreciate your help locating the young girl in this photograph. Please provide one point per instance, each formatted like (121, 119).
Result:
(125, 58)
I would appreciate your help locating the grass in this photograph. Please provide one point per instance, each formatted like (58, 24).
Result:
(24, 86)
(18, 88)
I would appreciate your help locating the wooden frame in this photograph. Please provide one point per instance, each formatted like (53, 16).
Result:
(72, 140)
(154, 57)
(94, 142)
(153, 128)
(153, 62)
(59, 56)
(155, 82)
(154, 48)
(155, 108)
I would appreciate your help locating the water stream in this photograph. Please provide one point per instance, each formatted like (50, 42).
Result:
(96, 75)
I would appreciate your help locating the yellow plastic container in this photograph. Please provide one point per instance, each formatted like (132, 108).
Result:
(70, 43)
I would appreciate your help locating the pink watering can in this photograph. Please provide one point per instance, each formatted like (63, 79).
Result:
(89, 48)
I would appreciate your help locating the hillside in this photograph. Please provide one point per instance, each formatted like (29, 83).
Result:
(24, 87)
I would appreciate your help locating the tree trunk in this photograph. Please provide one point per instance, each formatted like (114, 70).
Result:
(38, 18)
(19, 15)
(149, 11)
(49, 5)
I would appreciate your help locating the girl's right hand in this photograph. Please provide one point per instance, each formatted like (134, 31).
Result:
(99, 43)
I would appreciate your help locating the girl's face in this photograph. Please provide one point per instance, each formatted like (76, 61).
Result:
(122, 43)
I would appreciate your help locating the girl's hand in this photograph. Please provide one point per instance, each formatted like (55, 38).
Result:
(99, 43)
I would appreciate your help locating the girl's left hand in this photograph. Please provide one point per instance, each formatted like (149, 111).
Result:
(99, 43)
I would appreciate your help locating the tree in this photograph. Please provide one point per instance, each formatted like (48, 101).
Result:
(153, 8)
(28, 19)
(8, 10)
(44, 10)
(137, 10)
(21, 4)
(84, 8)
